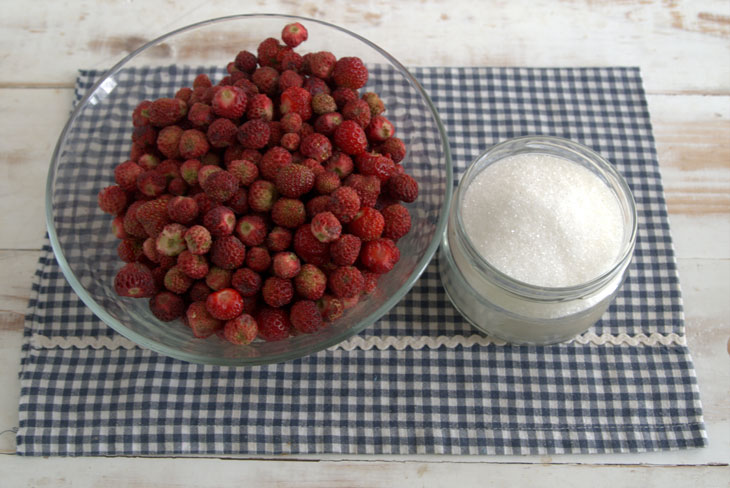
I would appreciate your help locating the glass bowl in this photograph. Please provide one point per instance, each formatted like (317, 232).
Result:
(97, 137)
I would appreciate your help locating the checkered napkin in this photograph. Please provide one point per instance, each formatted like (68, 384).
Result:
(480, 399)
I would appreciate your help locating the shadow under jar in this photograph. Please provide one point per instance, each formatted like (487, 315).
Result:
(517, 311)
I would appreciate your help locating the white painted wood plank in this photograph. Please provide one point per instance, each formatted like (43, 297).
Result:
(681, 44)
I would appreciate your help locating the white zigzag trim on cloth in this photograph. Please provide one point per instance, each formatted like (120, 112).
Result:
(367, 343)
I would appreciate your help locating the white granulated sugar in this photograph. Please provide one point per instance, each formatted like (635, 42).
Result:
(543, 220)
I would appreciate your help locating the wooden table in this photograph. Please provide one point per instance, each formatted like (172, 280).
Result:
(683, 49)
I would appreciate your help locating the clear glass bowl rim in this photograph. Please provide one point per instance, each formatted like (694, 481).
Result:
(161, 348)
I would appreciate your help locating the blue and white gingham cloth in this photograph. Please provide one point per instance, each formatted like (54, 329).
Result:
(493, 399)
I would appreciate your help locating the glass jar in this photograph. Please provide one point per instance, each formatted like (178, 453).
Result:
(519, 312)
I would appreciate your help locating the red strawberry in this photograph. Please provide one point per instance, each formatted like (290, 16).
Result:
(340, 163)
(177, 186)
(222, 133)
(184, 93)
(224, 304)
(220, 221)
(129, 250)
(403, 187)
(330, 307)
(239, 201)
(305, 316)
(246, 281)
(346, 282)
(132, 226)
(118, 227)
(189, 170)
(148, 161)
(291, 122)
(167, 306)
(176, 281)
(358, 111)
(201, 321)
(198, 240)
(285, 265)
(279, 239)
(206, 171)
(254, 134)
(218, 278)
(344, 203)
(323, 103)
(220, 186)
(241, 330)
(325, 227)
(168, 141)
(350, 72)
(151, 183)
(199, 291)
(244, 170)
(371, 282)
(345, 250)
(258, 259)
(289, 61)
(350, 137)
(227, 252)
(316, 146)
(327, 123)
(193, 265)
(251, 229)
(261, 196)
(167, 111)
(289, 213)
(288, 79)
(296, 100)
(245, 61)
(321, 64)
(273, 324)
(273, 161)
(277, 292)
(380, 129)
(380, 255)
(112, 200)
(367, 188)
(141, 114)
(201, 114)
(290, 141)
(183, 210)
(317, 205)
(126, 173)
(294, 34)
(170, 241)
(394, 148)
(260, 107)
(343, 95)
(294, 180)
(368, 224)
(152, 216)
(314, 166)
(275, 133)
(397, 221)
(169, 169)
(327, 182)
(266, 80)
(370, 163)
(376, 105)
(311, 282)
(308, 248)
(229, 102)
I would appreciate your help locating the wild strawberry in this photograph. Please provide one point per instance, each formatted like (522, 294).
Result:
(176, 281)
(134, 280)
(201, 321)
(148, 161)
(371, 282)
(376, 105)
(220, 221)
(350, 72)
(294, 34)
(289, 61)
(277, 292)
(321, 64)
(285, 265)
(323, 103)
(244, 170)
(345, 250)
(403, 187)
(325, 227)
(279, 239)
(344, 203)
(258, 259)
(315, 86)
(144, 136)
(170, 241)
(305, 316)
(152, 216)
(261, 196)
(327, 123)
(327, 182)
(227, 252)
(199, 291)
(374, 164)
(246, 281)
(316, 146)
(245, 61)
(193, 265)
(167, 111)
(380, 255)
(251, 229)
(182, 210)
(126, 173)
(218, 278)
(149, 248)
(167, 306)
(224, 304)
(129, 250)
(340, 163)
(394, 148)
(254, 134)
(151, 183)
(266, 80)
(358, 111)
(308, 247)
(317, 205)
(273, 324)
(168, 141)
(136, 152)
(291, 122)
(311, 282)
(201, 114)
(294, 180)
(260, 107)
(296, 100)
(238, 202)
(189, 171)
(288, 212)
(273, 161)
(169, 169)
(343, 95)
(368, 224)
(141, 114)
(229, 102)
(241, 330)
(222, 133)
(350, 137)
(330, 307)
(380, 129)
(202, 80)
(220, 186)
(112, 200)
(367, 188)
(205, 171)
(290, 141)
(275, 133)
(131, 225)
(314, 166)
(288, 79)
(177, 187)
(184, 93)
(118, 227)
(346, 282)
(397, 221)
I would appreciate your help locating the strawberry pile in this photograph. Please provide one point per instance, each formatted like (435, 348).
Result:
(265, 205)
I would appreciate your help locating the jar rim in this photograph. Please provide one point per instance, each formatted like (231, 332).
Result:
(544, 144)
